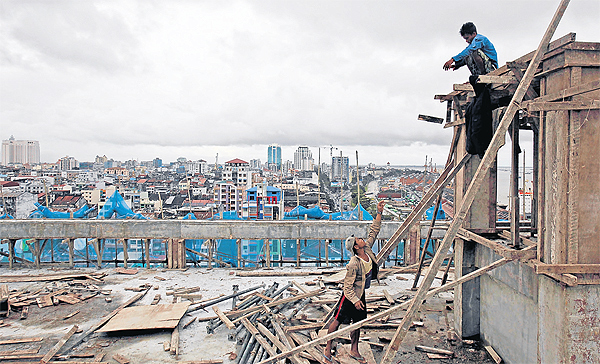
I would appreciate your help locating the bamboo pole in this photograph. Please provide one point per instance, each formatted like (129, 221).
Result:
(147, 252)
(486, 162)
(268, 253)
(125, 253)
(238, 242)
(210, 253)
(11, 252)
(71, 252)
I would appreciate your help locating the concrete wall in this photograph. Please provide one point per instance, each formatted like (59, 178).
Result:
(189, 229)
(569, 323)
(509, 308)
(530, 318)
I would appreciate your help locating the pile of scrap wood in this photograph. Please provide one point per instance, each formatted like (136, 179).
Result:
(58, 289)
(266, 323)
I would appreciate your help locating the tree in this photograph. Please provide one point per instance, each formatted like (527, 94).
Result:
(364, 200)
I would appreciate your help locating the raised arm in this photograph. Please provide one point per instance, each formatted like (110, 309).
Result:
(376, 225)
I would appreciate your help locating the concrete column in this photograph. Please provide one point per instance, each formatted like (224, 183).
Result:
(481, 218)
(467, 295)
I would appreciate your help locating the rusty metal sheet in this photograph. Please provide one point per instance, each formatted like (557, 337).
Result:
(147, 317)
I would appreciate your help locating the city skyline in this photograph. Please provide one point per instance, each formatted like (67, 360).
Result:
(136, 80)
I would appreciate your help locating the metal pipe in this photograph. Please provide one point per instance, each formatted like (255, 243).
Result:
(221, 299)
(259, 354)
(213, 324)
(247, 351)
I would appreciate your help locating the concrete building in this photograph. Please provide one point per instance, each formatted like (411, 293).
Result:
(274, 157)
(340, 170)
(303, 160)
(20, 151)
(67, 163)
(237, 171)
(17, 204)
(263, 202)
(228, 196)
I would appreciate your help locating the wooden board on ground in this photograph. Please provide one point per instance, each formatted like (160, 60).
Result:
(126, 271)
(147, 317)
(335, 278)
(343, 354)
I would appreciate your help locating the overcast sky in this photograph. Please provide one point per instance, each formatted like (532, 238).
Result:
(145, 79)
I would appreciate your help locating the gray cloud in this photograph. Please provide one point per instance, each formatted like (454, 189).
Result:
(136, 79)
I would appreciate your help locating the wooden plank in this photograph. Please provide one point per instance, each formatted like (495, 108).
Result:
(430, 119)
(126, 271)
(542, 268)
(174, 347)
(497, 79)
(454, 123)
(120, 358)
(497, 359)
(106, 318)
(59, 345)
(147, 317)
(19, 352)
(263, 330)
(418, 211)
(388, 297)
(486, 163)
(380, 315)
(462, 87)
(44, 301)
(571, 91)
(429, 349)
(283, 337)
(70, 315)
(68, 298)
(21, 341)
(314, 352)
(44, 277)
(562, 105)
(573, 187)
(223, 318)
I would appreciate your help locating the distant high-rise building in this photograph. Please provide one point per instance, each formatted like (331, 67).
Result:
(340, 169)
(20, 151)
(255, 164)
(303, 160)
(101, 160)
(274, 156)
(157, 163)
(67, 163)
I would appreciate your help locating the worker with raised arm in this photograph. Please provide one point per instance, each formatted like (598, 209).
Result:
(479, 56)
(360, 271)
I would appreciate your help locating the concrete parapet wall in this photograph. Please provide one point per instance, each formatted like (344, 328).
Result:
(188, 229)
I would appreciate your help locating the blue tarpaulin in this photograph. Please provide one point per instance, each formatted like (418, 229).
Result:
(116, 206)
(318, 214)
(44, 212)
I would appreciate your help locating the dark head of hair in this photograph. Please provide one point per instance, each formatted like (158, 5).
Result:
(468, 28)
(354, 249)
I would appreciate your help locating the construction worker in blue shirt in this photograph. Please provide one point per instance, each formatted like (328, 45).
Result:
(479, 56)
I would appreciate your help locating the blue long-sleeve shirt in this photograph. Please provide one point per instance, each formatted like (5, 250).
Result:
(479, 42)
